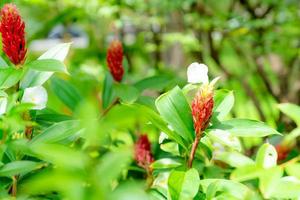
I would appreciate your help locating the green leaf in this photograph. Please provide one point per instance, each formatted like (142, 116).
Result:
(246, 128)
(154, 82)
(183, 185)
(36, 78)
(234, 159)
(9, 77)
(58, 132)
(291, 110)
(107, 92)
(127, 93)
(157, 121)
(47, 65)
(268, 181)
(225, 138)
(175, 110)
(293, 170)
(245, 173)
(166, 163)
(235, 189)
(66, 92)
(3, 64)
(19, 167)
(266, 156)
(286, 188)
(224, 101)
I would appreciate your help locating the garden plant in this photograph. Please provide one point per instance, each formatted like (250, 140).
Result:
(127, 136)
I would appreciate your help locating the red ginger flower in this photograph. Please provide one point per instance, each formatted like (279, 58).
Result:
(114, 60)
(12, 28)
(282, 152)
(202, 107)
(143, 154)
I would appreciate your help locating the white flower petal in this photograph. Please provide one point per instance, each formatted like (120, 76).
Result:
(197, 73)
(3, 104)
(37, 96)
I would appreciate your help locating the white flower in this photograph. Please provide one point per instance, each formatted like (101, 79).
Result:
(197, 73)
(3, 104)
(36, 95)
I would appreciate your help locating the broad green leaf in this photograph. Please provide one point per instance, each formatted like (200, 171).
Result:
(126, 93)
(47, 117)
(286, 188)
(268, 180)
(47, 65)
(246, 128)
(62, 156)
(19, 167)
(235, 189)
(66, 92)
(291, 110)
(291, 137)
(157, 121)
(9, 77)
(183, 185)
(166, 163)
(155, 82)
(58, 132)
(266, 156)
(234, 159)
(3, 64)
(36, 78)
(111, 166)
(225, 138)
(245, 173)
(175, 110)
(293, 170)
(107, 92)
(224, 101)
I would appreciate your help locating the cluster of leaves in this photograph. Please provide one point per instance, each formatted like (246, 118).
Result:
(81, 146)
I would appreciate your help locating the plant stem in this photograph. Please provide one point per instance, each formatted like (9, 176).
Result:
(14, 186)
(194, 148)
(116, 101)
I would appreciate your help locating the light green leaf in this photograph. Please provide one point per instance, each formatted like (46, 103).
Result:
(246, 128)
(155, 82)
(183, 185)
(9, 77)
(58, 132)
(225, 138)
(166, 163)
(268, 180)
(224, 101)
(234, 159)
(176, 111)
(245, 173)
(107, 92)
(235, 189)
(66, 92)
(293, 170)
(3, 64)
(47, 65)
(127, 93)
(286, 188)
(36, 78)
(266, 156)
(291, 110)
(19, 167)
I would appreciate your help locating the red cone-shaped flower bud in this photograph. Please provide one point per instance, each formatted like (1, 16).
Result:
(282, 152)
(143, 154)
(12, 29)
(114, 60)
(202, 106)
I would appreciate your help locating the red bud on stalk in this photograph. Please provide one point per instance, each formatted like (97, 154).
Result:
(143, 155)
(12, 29)
(202, 107)
(114, 60)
